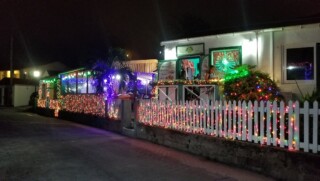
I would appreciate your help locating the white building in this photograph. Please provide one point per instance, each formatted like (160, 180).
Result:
(288, 54)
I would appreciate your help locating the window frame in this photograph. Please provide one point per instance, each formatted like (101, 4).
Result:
(285, 63)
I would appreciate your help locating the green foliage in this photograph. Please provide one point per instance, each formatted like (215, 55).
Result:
(314, 96)
(248, 85)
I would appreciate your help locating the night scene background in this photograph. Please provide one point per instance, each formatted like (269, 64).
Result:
(78, 32)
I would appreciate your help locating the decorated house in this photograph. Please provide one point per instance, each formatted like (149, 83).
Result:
(289, 55)
(98, 91)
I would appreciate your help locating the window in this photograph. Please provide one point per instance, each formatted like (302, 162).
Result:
(82, 83)
(91, 84)
(68, 83)
(299, 64)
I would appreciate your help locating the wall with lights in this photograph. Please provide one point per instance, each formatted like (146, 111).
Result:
(265, 49)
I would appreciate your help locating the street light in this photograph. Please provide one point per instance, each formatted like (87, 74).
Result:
(36, 73)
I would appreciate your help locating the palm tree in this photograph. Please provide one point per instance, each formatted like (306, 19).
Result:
(116, 62)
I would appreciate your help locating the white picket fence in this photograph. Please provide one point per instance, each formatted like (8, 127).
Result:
(272, 123)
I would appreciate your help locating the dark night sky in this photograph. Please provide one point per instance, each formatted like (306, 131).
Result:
(78, 31)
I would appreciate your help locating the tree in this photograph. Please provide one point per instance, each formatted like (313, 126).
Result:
(116, 62)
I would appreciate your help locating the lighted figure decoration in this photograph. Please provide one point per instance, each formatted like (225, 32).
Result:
(167, 70)
(188, 69)
(225, 65)
(108, 79)
(225, 59)
(245, 84)
(204, 67)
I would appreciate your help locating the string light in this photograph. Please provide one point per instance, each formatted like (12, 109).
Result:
(216, 120)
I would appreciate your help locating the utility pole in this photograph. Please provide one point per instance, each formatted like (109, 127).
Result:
(11, 71)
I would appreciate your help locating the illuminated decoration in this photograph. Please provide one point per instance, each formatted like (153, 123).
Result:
(214, 81)
(46, 91)
(225, 65)
(190, 68)
(113, 107)
(41, 103)
(225, 59)
(239, 72)
(245, 84)
(187, 50)
(260, 122)
(85, 103)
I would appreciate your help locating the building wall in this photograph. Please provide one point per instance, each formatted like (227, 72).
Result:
(293, 37)
(256, 48)
(262, 48)
(22, 94)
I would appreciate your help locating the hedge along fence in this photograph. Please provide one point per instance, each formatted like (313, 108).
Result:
(85, 103)
(91, 104)
(271, 123)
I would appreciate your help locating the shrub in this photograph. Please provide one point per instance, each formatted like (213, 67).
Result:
(248, 85)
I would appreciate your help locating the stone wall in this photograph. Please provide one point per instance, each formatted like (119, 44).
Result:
(278, 163)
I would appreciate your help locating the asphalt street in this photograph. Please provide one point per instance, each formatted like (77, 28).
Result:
(33, 147)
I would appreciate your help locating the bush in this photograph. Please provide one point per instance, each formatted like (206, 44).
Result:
(248, 85)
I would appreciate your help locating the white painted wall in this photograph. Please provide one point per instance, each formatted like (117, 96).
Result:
(293, 37)
(249, 42)
(22, 94)
(263, 48)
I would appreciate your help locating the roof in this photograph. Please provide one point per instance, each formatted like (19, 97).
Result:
(255, 27)
(6, 81)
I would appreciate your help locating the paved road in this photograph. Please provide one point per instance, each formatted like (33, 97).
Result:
(33, 147)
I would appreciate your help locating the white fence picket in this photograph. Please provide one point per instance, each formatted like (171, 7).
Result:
(256, 122)
(216, 120)
(268, 126)
(306, 126)
(274, 124)
(262, 119)
(290, 125)
(220, 131)
(225, 119)
(315, 114)
(229, 119)
(234, 119)
(282, 127)
(212, 117)
(250, 113)
(244, 122)
(239, 120)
